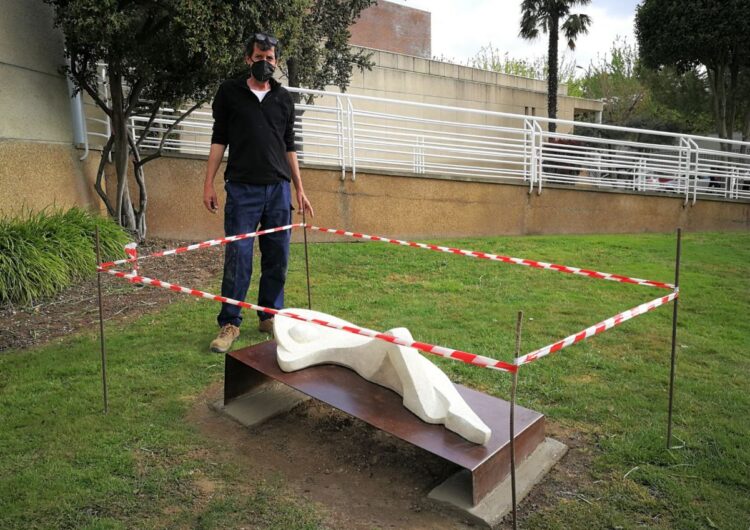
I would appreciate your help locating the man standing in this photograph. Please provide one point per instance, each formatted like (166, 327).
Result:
(254, 116)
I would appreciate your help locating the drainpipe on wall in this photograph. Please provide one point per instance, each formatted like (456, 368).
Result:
(80, 137)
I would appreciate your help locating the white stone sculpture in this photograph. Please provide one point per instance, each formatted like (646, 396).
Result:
(426, 390)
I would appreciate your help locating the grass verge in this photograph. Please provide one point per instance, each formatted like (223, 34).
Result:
(65, 465)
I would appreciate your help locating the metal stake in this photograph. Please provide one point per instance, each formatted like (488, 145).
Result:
(513, 387)
(674, 338)
(101, 322)
(307, 260)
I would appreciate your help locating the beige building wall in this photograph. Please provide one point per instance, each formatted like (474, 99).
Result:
(39, 175)
(428, 207)
(395, 143)
(398, 37)
(39, 166)
(404, 77)
(33, 93)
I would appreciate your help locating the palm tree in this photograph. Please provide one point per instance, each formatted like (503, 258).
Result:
(546, 15)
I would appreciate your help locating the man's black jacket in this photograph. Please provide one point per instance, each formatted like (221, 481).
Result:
(259, 134)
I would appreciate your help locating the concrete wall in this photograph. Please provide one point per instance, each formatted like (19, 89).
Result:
(33, 94)
(38, 165)
(399, 39)
(433, 207)
(404, 77)
(395, 28)
(35, 175)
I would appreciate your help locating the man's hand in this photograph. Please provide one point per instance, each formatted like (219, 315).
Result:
(303, 203)
(215, 155)
(210, 200)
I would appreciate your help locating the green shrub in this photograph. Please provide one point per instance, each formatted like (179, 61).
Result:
(41, 253)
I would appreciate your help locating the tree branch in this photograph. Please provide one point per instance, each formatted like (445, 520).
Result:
(140, 213)
(147, 128)
(164, 137)
(100, 173)
(84, 84)
(139, 177)
(135, 94)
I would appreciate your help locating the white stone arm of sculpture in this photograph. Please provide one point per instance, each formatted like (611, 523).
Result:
(426, 390)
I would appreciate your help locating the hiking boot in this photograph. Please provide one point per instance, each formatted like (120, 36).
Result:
(223, 341)
(266, 326)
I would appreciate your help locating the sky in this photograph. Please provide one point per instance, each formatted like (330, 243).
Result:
(460, 28)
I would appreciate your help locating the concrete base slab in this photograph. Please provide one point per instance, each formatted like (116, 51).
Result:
(261, 403)
(456, 491)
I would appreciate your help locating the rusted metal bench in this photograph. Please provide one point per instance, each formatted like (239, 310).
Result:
(343, 389)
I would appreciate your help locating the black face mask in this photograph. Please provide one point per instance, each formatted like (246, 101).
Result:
(262, 71)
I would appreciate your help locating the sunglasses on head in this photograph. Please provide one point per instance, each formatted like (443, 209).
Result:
(262, 37)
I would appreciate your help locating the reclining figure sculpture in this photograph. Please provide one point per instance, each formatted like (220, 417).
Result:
(426, 390)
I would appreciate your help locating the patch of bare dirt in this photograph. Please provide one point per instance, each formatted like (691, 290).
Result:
(76, 308)
(363, 477)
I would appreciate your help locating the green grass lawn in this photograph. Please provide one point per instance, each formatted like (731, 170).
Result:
(63, 464)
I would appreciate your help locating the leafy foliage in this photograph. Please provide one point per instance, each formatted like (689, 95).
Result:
(42, 253)
(491, 58)
(686, 94)
(636, 97)
(168, 52)
(172, 53)
(321, 55)
(699, 34)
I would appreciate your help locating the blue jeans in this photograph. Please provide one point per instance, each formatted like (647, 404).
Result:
(250, 207)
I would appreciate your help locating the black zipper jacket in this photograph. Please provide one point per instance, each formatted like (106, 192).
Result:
(259, 134)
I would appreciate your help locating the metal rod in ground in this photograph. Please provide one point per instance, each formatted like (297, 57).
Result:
(673, 361)
(101, 323)
(512, 429)
(307, 260)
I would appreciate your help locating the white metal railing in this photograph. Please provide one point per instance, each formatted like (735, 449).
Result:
(355, 133)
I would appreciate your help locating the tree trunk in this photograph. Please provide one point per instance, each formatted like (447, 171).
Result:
(552, 72)
(717, 81)
(140, 180)
(293, 72)
(120, 149)
(128, 214)
(743, 94)
(732, 96)
(125, 213)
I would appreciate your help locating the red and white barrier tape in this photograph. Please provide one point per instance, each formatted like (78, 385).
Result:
(597, 328)
(469, 358)
(458, 355)
(449, 250)
(131, 249)
(196, 246)
(505, 259)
